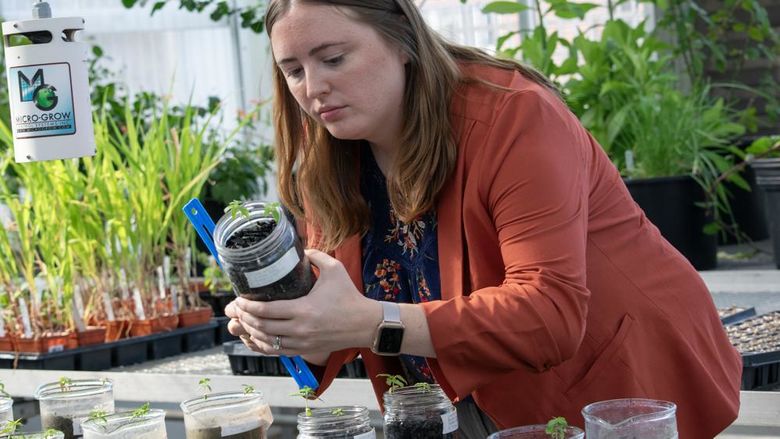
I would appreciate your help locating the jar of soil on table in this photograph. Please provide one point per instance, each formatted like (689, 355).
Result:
(420, 413)
(65, 405)
(234, 415)
(262, 254)
(350, 422)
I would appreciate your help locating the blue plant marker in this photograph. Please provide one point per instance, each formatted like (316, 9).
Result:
(204, 225)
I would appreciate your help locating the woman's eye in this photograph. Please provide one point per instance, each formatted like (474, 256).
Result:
(294, 73)
(334, 61)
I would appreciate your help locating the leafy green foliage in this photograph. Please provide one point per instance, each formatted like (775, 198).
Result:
(556, 428)
(338, 411)
(251, 16)
(65, 384)
(765, 147)
(236, 208)
(10, 427)
(248, 389)
(3, 392)
(272, 209)
(205, 385)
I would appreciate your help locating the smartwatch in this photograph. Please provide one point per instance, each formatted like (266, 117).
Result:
(390, 332)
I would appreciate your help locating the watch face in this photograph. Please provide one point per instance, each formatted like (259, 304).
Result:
(390, 340)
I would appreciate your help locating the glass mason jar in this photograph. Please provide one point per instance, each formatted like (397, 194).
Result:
(48, 434)
(125, 425)
(6, 410)
(414, 412)
(65, 406)
(273, 268)
(538, 431)
(349, 422)
(236, 415)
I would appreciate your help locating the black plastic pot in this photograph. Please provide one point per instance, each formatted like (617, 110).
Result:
(65, 360)
(670, 203)
(129, 351)
(748, 210)
(761, 371)
(768, 179)
(166, 344)
(97, 357)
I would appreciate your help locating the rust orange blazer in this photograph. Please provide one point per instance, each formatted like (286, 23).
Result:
(556, 290)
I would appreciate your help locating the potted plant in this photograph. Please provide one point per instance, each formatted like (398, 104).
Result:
(556, 428)
(765, 162)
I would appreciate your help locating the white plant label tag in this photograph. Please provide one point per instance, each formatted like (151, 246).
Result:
(370, 435)
(229, 430)
(78, 319)
(175, 298)
(139, 304)
(161, 282)
(187, 257)
(25, 318)
(167, 269)
(450, 421)
(109, 307)
(2, 326)
(123, 284)
(78, 300)
(274, 272)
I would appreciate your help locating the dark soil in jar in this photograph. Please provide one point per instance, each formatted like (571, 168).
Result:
(293, 285)
(216, 433)
(250, 235)
(417, 429)
(61, 423)
(346, 434)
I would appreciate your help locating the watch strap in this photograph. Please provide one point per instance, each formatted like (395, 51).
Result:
(391, 312)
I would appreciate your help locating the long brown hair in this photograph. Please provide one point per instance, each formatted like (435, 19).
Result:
(325, 173)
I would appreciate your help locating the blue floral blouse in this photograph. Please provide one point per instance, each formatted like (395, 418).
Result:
(400, 260)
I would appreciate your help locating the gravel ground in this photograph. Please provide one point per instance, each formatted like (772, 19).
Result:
(208, 362)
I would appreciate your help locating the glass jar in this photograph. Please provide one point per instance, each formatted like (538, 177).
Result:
(273, 268)
(349, 422)
(48, 434)
(6, 411)
(235, 415)
(125, 425)
(64, 406)
(415, 413)
(538, 431)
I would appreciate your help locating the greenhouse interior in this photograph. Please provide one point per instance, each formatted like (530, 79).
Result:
(530, 208)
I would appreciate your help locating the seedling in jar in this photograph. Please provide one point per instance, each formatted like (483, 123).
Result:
(205, 384)
(65, 384)
(237, 208)
(556, 428)
(338, 411)
(394, 382)
(2, 390)
(10, 427)
(307, 393)
(248, 389)
(141, 411)
(98, 415)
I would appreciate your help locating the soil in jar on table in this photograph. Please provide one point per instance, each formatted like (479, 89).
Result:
(431, 428)
(216, 433)
(61, 423)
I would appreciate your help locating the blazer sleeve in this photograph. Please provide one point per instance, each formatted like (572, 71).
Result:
(533, 183)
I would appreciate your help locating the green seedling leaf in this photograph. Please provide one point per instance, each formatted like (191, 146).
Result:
(338, 411)
(98, 415)
(65, 384)
(51, 432)
(205, 384)
(425, 387)
(307, 393)
(141, 411)
(11, 426)
(235, 208)
(395, 382)
(556, 428)
(248, 389)
(272, 210)
(3, 391)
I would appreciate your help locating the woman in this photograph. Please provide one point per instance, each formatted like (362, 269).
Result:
(461, 186)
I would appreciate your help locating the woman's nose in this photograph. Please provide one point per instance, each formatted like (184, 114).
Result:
(316, 85)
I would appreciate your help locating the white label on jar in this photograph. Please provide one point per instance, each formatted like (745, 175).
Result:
(274, 272)
(450, 421)
(229, 430)
(370, 435)
(77, 426)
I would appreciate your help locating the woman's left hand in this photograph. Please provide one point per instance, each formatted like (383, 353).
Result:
(333, 316)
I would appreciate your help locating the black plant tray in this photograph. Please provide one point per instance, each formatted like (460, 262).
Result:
(761, 371)
(118, 353)
(244, 361)
(736, 315)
